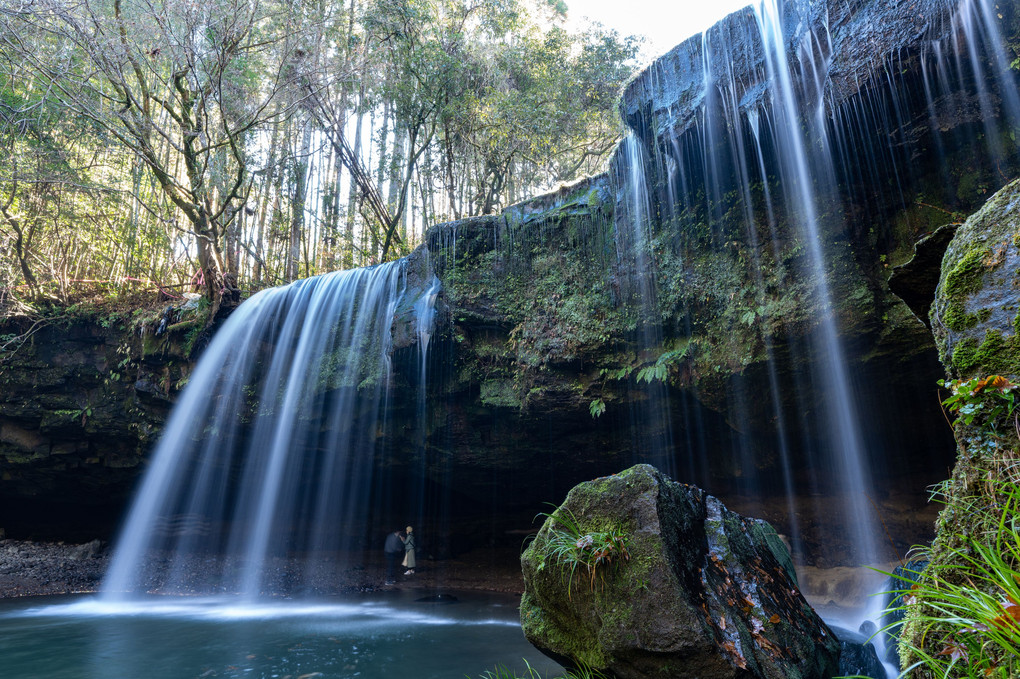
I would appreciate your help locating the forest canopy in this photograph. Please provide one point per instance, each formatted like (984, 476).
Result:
(226, 145)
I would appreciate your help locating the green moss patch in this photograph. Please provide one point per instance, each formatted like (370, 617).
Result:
(962, 280)
(996, 354)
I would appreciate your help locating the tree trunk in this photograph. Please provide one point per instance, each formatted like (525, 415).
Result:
(297, 221)
(352, 197)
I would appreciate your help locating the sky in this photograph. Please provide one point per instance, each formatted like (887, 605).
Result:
(665, 23)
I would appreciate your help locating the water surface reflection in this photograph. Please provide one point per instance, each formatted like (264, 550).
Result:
(371, 636)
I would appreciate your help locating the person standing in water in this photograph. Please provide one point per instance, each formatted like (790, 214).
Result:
(409, 562)
(392, 549)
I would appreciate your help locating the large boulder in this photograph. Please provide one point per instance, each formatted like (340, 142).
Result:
(681, 587)
(976, 314)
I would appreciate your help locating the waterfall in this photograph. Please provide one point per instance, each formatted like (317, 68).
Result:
(728, 153)
(806, 171)
(271, 447)
(277, 443)
(753, 141)
(424, 321)
(650, 412)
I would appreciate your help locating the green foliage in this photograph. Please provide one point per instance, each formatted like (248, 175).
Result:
(504, 672)
(658, 371)
(962, 617)
(662, 369)
(182, 142)
(617, 373)
(988, 402)
(667, 360)
(592, 552)
(966, 612)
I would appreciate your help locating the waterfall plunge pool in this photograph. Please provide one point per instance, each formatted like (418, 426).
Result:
(368, 636)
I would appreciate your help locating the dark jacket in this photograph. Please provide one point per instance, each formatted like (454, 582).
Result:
(394, 545)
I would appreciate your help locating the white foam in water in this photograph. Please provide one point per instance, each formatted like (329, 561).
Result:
(231, 610)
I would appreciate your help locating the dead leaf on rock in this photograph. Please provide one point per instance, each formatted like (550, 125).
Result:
(738, 659)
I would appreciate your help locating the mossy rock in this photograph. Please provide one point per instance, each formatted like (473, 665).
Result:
(700, 592)
(975, 318)
(976, 325)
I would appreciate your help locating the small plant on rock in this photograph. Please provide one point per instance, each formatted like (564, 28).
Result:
(989, 401)
(591, 551)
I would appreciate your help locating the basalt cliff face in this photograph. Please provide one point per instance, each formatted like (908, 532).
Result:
(84, 396)
(560, 338)
(570, 345)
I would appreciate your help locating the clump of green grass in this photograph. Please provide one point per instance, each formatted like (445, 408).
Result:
(962, 612)
(967, 620)
(504, 672)
(591, 552)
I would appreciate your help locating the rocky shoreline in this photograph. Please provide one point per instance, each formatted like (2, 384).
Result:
(30, 568)
(38, 568)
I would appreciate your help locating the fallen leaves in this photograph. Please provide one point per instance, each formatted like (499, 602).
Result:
(955, 651)
(734, 654)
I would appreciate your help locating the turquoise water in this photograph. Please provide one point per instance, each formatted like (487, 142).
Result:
(370, 637)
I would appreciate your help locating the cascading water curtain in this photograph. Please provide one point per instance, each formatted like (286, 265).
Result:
(271, 446)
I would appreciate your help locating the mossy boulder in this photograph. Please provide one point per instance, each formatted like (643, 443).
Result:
(976, 325)
(976, 316)
(694, 590)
